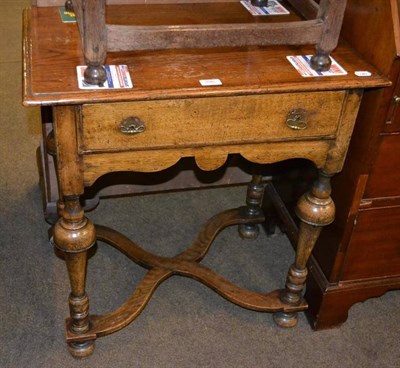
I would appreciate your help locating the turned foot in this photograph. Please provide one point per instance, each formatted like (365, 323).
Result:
(320, 62)
(292, 295)
(249, 231)
(286, 320)
(95, 75)
(69, 6)
(81, 350)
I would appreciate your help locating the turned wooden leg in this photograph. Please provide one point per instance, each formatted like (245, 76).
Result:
(90, 15)
(254, 197)
(331, 14)
(74, 234)
(315, 210)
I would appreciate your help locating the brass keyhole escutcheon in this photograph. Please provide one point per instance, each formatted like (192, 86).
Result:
(132, 125)
(297, 119)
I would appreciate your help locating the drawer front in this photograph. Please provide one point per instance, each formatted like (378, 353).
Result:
(384, 179)
(374, 247)
(209, 121)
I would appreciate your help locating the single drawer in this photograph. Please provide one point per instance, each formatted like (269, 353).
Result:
(210, 121)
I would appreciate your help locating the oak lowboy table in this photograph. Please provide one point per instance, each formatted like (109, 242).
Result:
(264, 111)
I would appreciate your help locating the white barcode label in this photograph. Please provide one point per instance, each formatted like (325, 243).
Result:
(210, 82)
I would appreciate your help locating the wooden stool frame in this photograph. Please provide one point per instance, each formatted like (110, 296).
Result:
(321, 27)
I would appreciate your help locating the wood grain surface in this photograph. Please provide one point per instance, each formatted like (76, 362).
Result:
(205, 121)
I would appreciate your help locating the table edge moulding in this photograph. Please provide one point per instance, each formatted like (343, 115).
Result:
(264, 111)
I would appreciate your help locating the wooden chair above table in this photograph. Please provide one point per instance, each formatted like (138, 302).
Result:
(320, 27)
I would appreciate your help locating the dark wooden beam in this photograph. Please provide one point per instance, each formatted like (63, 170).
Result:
(125, 38)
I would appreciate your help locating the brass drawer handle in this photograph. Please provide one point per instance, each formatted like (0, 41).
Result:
(296, 119)
(132, 125)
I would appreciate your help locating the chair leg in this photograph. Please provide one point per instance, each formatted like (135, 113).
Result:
(90, 15)
(331, 13)
(68, 6)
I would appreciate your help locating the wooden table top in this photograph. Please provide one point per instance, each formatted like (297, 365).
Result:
(52, 50)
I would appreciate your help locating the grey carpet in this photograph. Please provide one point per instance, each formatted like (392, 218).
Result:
(185, 324)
